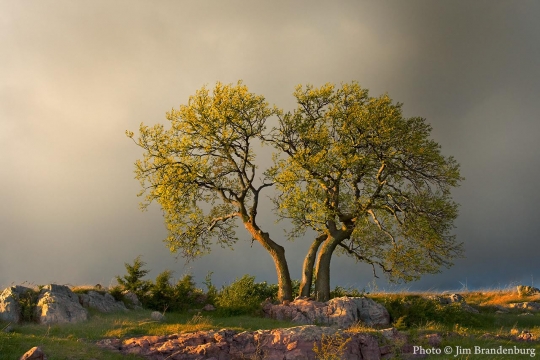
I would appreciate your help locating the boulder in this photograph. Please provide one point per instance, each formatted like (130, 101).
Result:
(294, 343)
(528, 305)
(10, 309)
(342, 312)
(132, 300)
(524, 290)
(58, 304)
(34, 353)
(103, 303)
(157, 316)
(208, 307)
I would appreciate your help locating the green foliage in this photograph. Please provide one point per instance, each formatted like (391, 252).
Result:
(211, 289)
(244, 296)
(414, 310)
(28, 302)
(353, 167)
(133, 281)
(340, 291)
(331, 347)
(117, 293)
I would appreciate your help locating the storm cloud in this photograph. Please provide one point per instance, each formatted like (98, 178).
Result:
(75, 75)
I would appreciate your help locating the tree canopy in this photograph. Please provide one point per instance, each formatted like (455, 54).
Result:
(350, 167)
(367, 180)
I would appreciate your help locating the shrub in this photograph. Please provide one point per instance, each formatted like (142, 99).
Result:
(348, 291)
(244, 296)
(415, 310)
(28, 303)
(133, 280)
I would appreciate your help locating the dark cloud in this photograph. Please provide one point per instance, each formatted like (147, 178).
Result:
(75, 75)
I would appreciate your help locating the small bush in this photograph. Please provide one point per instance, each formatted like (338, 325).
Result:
(132, 281)
(415, 310)
(348, 291)
(28, 303)
(244, 296)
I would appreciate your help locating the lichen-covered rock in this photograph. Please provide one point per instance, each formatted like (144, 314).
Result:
(10, 309)
(103, 303)
(58, 304)
(294, 343)
(342, 312)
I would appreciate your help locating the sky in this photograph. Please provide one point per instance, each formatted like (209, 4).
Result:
(74, 75)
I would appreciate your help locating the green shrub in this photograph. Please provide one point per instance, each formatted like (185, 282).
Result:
(28, 303)
(244, 296)
(414, 310)
(132, 281)
(348, 291)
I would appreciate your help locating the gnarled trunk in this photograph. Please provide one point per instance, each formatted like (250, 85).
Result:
(277, 252)
(307, 267)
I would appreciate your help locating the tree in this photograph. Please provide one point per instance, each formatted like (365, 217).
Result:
(132, 281)
(366, 180)
(350, 167)
(207, 157)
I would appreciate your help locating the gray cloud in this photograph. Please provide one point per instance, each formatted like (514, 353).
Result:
(75, 75)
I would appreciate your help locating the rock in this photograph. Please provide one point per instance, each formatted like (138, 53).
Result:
(526, 336)
(524, 290)
(528, 305)
(104, 303)
(433, 340)
(342, 312)
(157, 316)
(294, 343)
(10, 309)
(453, 299)
(34, 353)
(447, 299)
(209, 307)
(58, 304)
(132, 300)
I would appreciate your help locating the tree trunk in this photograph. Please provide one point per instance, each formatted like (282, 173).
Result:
(307, 267)
(277, 252)
(322, 282)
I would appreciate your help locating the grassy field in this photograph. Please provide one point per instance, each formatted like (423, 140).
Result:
(464, 333)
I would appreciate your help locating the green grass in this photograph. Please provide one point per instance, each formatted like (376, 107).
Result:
(412, 313)
(77, 341)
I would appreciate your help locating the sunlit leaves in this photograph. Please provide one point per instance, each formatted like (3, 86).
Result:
(204, 157)
(355, 161)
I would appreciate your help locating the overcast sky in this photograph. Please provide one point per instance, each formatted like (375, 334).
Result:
(74, 75)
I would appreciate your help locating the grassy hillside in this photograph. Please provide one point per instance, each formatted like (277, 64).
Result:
(495, 326)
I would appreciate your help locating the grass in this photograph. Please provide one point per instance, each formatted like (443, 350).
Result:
(77, 341)
(412, 313)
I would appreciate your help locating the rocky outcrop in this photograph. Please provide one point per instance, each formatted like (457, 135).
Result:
(524, 290)
(101, 302)
(34, 353)
(529, 305)
(453, 299)
(58, 304)
(342, 312)
(10, 309)
(296, 343)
